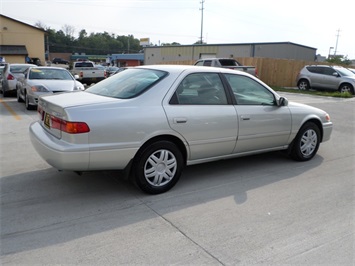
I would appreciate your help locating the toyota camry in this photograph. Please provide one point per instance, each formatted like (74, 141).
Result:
(152, 121)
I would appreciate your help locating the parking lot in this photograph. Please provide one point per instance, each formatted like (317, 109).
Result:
(264, 209)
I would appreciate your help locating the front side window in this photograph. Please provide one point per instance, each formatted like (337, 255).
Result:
(128, 83)
(247, 91)
(200, 89)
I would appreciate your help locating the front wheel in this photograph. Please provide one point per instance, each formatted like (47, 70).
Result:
(158, 167)
(18, 96)
(306, 143)
(27, 103)
(346, 88)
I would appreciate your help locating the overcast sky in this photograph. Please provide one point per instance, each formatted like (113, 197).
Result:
(313, 23)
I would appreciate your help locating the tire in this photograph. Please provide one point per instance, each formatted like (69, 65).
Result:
(19, 99)
(346, 88)
(158, 167)
(306, 143)
(27, 103)
(303, 84)
(5, 93)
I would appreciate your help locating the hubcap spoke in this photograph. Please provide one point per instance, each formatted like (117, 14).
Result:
(308, 142)
(160, 168)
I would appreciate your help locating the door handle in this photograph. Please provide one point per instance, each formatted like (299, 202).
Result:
(180, 120)
(245, 117)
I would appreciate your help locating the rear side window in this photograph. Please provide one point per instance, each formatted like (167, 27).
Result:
(128, 84)
(314, 69)
(200, 89)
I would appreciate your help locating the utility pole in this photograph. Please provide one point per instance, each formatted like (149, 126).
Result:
(201, 38)
(336, 45)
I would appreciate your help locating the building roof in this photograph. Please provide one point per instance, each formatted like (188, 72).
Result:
(232, 44)
(28, 25)
(13, 50)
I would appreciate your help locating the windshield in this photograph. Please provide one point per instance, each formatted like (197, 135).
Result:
(49, 73)
(128, 83)
(344, 71)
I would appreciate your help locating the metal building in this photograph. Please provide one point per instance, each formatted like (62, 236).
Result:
(281, 50)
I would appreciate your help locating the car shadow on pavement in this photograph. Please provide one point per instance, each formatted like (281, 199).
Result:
(46, 207)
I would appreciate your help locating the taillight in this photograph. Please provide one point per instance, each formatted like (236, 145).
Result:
(74, 127)
(62, 125)
(10, 77)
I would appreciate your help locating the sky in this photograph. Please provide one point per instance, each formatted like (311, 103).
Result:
(326, 26)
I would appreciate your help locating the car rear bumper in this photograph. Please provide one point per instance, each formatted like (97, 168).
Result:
(67, 156)
(57, 153)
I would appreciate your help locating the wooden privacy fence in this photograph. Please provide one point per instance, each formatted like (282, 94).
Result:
(274, 72)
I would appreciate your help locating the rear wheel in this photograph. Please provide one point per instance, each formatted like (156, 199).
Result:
(306, 143)
(346, 88)
(303, 84)
(158, 167)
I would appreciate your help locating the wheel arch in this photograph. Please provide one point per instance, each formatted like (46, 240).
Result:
(318, 123)
(174, 139)
(348, 84)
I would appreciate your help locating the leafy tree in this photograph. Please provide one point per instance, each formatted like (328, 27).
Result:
(339, 60)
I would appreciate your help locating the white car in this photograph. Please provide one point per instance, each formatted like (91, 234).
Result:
(153, 120)
(39, 81)
(10, 74)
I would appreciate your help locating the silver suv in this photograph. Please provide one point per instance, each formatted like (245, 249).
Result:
(326, 77)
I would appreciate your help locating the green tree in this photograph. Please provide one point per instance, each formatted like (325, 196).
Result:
(339, 60)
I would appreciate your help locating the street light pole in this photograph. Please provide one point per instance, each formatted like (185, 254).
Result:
(201, 21)
(330, 48)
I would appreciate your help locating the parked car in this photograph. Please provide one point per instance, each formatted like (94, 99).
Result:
(153, 120)
(110, 70)
(2, 67)
(334, 78)
(39, 81)
(10, 75)
(60, 61)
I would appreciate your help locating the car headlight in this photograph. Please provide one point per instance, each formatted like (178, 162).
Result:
(79, 87)
(39, 88)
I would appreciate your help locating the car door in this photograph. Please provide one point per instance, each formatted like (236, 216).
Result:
(330, 78)
(200, 113)
(262, 123)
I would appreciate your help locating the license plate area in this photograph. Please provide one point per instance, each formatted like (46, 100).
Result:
(47, 120)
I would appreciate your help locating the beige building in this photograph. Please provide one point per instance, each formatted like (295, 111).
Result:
(20, 41)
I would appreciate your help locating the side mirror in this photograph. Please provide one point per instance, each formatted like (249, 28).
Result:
(282, 101)
(335, 74)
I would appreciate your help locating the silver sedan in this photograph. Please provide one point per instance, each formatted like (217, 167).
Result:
(38, 81)
(152, 121)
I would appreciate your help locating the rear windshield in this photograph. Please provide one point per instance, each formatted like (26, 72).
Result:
(84, 64)
(128, 83)
(228, 62)
(19, 68)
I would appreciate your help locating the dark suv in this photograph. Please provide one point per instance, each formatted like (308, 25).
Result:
(326, 77)
(60, 61)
